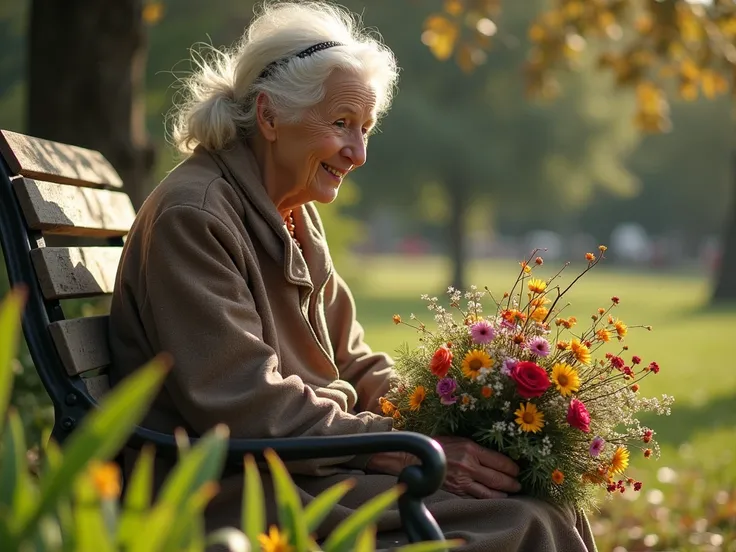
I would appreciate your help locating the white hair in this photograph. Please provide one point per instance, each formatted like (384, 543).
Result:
(219, 96)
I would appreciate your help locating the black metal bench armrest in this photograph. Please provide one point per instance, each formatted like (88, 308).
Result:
(421, 480)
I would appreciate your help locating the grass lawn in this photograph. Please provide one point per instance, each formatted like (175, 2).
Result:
(689, 498)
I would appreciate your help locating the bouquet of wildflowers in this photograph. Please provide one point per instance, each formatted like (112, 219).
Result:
(524, 380)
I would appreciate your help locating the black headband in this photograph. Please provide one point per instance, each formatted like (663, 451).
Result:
(304, 53)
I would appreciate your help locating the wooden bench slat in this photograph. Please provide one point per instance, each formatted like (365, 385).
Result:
(69, 272)
(97, 386)
(56, 162)
(60, 209)
(82, 343)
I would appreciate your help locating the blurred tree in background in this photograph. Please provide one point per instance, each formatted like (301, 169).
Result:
(657, 48)
(483, 146)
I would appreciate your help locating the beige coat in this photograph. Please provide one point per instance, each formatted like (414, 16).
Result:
(265, 340)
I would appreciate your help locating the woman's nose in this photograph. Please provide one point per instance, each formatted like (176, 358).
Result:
(356, 150)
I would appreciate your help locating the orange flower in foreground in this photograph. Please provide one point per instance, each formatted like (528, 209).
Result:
(387, 407)
(558, 477)
(274, 541)
(106, 479)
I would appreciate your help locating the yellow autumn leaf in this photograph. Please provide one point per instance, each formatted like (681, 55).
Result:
(537, 33)
(712, 84)
(153, 12)
(688, 91)
(454, 7)
(689, 70)
(440, 36)
(464, 58)
(574, 9)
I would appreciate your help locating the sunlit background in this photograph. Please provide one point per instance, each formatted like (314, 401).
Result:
(557, 125)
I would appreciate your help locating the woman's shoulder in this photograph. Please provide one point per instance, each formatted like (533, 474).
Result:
(198, 183)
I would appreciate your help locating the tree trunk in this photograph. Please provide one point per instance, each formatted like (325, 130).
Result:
(725, 289)
(86, 82)
(457, 238)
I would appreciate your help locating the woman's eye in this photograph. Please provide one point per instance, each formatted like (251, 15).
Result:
(341, 123)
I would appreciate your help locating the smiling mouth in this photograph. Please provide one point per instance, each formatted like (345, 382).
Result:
(333, 171)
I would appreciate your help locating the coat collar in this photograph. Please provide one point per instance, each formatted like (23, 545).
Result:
(310, 267)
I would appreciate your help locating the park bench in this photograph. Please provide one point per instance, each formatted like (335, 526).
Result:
(63, 194)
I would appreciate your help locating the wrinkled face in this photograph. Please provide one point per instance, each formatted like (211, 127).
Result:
(316, 153)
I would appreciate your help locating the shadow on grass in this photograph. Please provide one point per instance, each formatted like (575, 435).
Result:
(688, 420)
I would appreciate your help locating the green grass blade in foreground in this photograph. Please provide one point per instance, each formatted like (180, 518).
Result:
(343, 536)
(288, 503)
(366, 540)
(137, 497)
(89, 524)
(101, 434)
(253, 521)
(16, 494)
(201, 465)
(11, 310)
(188, 533)
(53, 457)
(318, 509)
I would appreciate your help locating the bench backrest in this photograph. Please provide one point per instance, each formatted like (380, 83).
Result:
(63, 218)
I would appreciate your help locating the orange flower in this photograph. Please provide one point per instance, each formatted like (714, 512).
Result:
(604, 335)
(527, 269)
(513, 315)
(589, 257)
(417, 398)
(397, 319)
(558, 477)
(387, 407)
(635, 387)
(621, 328)
(106, 479)
(539, 314)
(580, 351)
(563, 345)
(487, 391)
(647, 453)
(537, 285)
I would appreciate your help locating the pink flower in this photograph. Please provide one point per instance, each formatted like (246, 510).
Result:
(482, 332)
(508, 366)
(578, 416)
(539, 346)
(445, 388)
(596, 446)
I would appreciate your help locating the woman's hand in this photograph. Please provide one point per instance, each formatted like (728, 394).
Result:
(475, 471)
(472, 471)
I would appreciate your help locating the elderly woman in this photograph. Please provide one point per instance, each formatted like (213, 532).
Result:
(227, 268)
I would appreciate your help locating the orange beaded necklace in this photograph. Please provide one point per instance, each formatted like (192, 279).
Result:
(291, 227)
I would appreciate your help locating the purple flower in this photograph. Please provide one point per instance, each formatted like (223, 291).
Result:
(508, 365)
(539, 346)
(482, 332)
(596, 446)
(445, 388)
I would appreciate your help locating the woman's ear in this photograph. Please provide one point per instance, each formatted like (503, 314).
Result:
(265, 117)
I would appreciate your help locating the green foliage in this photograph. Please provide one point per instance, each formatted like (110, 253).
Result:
(297, 523)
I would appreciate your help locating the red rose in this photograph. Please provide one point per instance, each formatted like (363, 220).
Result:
(531, 379)
(577, 416)
(441, 361)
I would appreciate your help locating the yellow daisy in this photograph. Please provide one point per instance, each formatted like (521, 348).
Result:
(474, 361)
(580, 351)
(529, 418)
(565, 378)
(537, 285)
(604, 335)
(621, 328)
(417, 397)
(274, 541)
(539, 314)
(620, 461)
